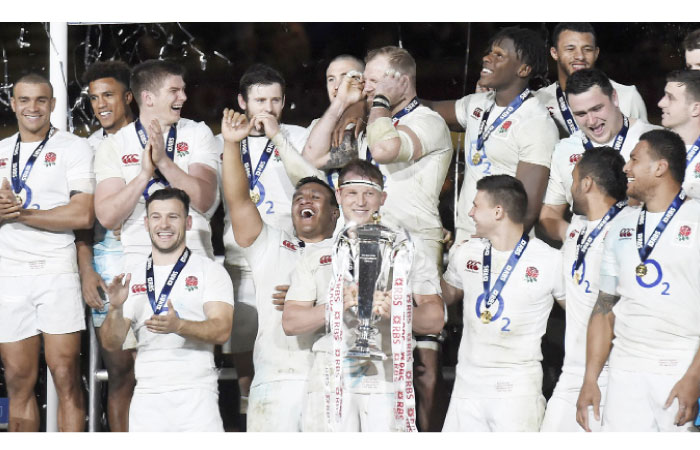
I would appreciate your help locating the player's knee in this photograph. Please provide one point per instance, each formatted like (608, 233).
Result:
(65, 373)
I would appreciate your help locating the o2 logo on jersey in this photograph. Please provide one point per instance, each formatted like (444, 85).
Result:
(130, 160)
(473, 266)
(288, 245)
(50, 159)
(325, 260)
(138, 288)
(531, 274)
(3, 163)
(182, 149)
(477, 113)
(573, 159)
(626, 233)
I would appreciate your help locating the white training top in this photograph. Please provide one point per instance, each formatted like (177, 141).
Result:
(502, 358)
(657, 319)
(63, 165)
(569, 150)
(168, 362)
(119, 156)
(630, 103)
(528, 135)
(272, 258)
(581, 295)
(274, 187)
(310, 282)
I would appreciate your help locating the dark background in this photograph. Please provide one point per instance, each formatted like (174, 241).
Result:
(631, 53)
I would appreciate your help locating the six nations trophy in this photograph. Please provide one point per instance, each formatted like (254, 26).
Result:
(376, 259)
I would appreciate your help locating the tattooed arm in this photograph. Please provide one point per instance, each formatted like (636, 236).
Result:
(598, 345)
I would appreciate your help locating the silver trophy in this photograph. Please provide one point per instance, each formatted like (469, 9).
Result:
(372, 249)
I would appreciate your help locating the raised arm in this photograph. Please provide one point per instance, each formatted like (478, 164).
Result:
(115, 327)
(446, 109)
(245, 217)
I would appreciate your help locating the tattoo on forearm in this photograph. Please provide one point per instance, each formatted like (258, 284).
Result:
(344, 153)
(605, 303)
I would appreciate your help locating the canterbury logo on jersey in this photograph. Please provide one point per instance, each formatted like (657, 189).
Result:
(138, 288)
(289, 246)
(473, 266)
(477, 113)
(626, 233)
(130, 160)
(325, 260)
(573, 159)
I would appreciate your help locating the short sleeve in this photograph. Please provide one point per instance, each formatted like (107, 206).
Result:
(302, 285)
(536, 138)
(79, 161)
(107, 161)
(556, 194)
(451, 275)
(218, 286)
(558, 287)
(461, 108)
(207, 149)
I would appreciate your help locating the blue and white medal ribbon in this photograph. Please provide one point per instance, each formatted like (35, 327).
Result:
(619, 139)
(259, 168)
(582, 250)
(169, 283)
(692, 152)
(645, 248)
(491, 295)
(20, 183)
(484, 133)
(566, 111)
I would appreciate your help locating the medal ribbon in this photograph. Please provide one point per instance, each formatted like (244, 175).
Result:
(565, 111)
(492, 294)
(581, 250)
(401, 343)
(20, 182)
(169, 151)
(510, 109)
(619, 139)
(413, 104)
(169, 283)
(692, 153)
(645, 249)
(247, 165)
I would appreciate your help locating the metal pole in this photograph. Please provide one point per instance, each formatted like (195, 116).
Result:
(58, 57)
(459, 138)
(95, 385)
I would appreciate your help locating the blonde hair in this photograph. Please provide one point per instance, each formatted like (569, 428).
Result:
(399, 60)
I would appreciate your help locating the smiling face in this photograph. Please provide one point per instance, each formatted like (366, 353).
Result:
(110, 101)
(596, 114)
(575, 51)
(263, 98)
(640, 170)
(33, 104)
(500, 66)
(375, 70)
(168, 100)
(313, 215)
(167, 223)
(359, 201)
(483, 213)
(676, 110)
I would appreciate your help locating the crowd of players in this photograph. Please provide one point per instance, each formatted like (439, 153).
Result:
(121, 222)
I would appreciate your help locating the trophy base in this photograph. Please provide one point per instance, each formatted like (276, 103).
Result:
(359, 351)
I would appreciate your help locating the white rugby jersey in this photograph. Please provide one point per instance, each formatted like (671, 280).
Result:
(630, 103)
(581, 295)
(568, 151)
(502, 358)
(272, 258)
(310, 282)
(528, 135)
(65, 159)
(657, 319)
(274, 188)
(119, 156)
(167, 362)
(413, 187)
